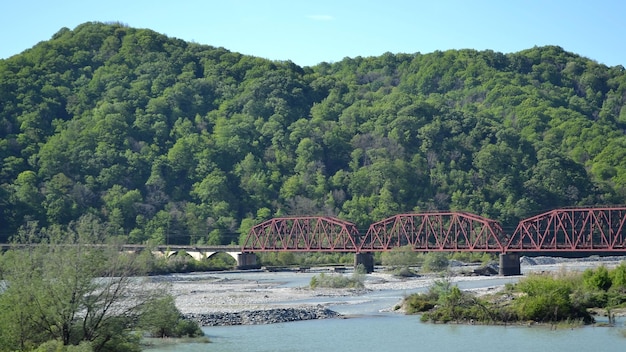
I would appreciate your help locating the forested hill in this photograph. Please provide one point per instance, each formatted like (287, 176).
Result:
(162, 140)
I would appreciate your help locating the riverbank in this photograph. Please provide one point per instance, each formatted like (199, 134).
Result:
(263, 298)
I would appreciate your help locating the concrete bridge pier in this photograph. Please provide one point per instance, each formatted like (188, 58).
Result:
(367, 259)
(510, 264)
(247, 261)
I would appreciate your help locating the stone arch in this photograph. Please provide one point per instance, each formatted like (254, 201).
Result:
(234, 255)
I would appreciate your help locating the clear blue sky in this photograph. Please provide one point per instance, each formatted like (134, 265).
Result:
(309, 32)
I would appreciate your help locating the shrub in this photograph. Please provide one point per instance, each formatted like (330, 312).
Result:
(57, 346)
(419, 303)
(546, 299)
(436, 262)
(445, 303)
(401, 256)
(618, 276)
(187, 328)
(598, 279)
(162, 319)
(404, 272)
(337, 281)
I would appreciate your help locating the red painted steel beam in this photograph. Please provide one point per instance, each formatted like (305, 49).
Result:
(303, 234)
(572, 230)
(436, 231)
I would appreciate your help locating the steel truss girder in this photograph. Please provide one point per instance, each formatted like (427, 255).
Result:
(436, 231)
(303, 234)
(575, 229)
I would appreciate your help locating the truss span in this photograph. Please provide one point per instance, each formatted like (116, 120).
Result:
(572, 230)
(436, 231)
(303, 234)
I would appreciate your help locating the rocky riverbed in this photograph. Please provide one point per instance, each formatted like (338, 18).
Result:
(232, 298)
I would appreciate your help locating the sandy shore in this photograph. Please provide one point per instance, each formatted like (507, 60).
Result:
(224, 294)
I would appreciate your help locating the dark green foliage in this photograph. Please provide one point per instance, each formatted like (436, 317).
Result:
(162, 319)
(178, 143)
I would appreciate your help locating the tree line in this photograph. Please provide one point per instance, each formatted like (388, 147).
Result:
(171, 142)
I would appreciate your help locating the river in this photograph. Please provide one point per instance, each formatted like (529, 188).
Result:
(369, 329)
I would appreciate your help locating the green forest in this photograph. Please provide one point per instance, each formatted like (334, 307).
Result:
(165, 141)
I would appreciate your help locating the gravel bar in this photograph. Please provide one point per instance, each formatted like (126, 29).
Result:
(258, 317)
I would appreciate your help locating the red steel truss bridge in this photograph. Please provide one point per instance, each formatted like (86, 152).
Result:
(303, 234)
(571, 230)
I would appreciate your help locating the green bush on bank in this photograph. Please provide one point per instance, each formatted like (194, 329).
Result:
(549, 298)
(161, 318)
(356, 280)
(436, 262)
(544, 298)
(404, 272)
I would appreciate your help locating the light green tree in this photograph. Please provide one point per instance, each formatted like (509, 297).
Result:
(67, 289)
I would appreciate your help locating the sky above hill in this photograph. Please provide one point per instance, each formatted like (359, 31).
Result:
(310, 32)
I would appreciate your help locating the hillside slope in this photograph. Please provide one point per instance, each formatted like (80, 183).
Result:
(166, 141)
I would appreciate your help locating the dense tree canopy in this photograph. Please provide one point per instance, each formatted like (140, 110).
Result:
(170, 141)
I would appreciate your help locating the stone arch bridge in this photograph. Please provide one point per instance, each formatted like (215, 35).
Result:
(244, 260)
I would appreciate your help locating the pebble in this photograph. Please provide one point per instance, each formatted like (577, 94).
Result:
(266, 316)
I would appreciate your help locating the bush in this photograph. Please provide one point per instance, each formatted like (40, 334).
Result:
(546, 299)
(57, 346)
(401, 256)
(337, 281)
(445, 302)
(555, 298)
(436, 262)
(404, 272)
(598, 279)
(70, 292)
(419, 303)
(187, 328)
(162, 319)
(618, 276)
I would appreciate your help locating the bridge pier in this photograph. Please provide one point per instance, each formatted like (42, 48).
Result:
(247, 261)
(367, 259)
(510, 264)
